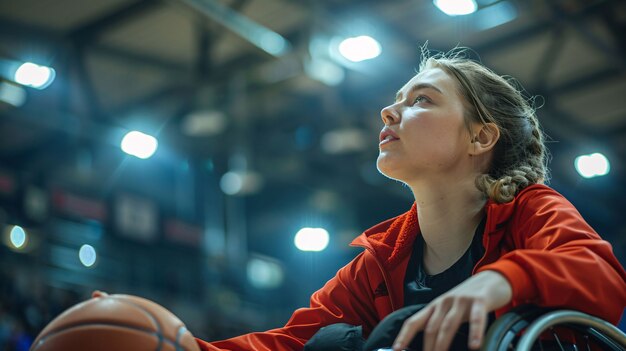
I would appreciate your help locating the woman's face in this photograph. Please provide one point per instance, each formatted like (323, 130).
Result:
(425, 134)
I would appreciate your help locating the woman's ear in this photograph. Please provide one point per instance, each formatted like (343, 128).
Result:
(484, 138)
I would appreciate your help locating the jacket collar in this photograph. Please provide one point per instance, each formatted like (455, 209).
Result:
(392, 240)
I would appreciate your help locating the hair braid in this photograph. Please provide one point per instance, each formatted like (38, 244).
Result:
(529, 169)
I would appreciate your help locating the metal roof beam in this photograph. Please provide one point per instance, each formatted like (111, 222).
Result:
(92, 30)
(55, 42)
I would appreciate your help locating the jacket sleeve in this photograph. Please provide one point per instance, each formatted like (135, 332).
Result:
(560, 261)
(346, 298)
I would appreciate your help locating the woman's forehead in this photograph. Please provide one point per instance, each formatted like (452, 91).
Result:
(431, 76)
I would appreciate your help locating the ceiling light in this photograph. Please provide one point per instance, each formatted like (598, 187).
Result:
(359, 48)
(18, 237)
(87, 255)
(594, 165)
(311, 239)
(264, 273)
(241, 182)
(139, 144)
(456, 7)
(33, 75)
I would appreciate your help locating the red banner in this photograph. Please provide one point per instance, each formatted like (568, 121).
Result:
(79, 206)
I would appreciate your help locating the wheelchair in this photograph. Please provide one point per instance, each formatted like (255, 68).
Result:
(525, 328)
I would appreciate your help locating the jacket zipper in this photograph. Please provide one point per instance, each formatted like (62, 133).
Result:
(386, 278)
(484, 255)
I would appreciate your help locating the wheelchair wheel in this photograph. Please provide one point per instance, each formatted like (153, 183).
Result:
(506, 332)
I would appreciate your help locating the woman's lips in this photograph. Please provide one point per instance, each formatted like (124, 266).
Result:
(388, 139)
(387, 135)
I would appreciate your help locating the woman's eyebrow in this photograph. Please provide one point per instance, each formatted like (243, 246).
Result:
(417, 87)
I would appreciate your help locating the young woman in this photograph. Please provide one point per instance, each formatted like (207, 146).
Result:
(484, 234)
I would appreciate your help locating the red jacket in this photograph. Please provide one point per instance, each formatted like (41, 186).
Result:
(539, 242)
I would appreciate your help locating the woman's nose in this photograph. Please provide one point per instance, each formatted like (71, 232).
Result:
(390, 115)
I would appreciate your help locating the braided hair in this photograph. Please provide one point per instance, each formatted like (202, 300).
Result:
(520, 156)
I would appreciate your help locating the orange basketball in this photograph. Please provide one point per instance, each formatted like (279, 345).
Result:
(116, 322)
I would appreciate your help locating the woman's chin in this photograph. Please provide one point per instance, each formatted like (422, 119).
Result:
(385, 168)
(393, 169)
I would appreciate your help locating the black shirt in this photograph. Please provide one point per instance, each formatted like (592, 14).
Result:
(421, 288)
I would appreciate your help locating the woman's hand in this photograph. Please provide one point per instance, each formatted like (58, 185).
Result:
(470, 301)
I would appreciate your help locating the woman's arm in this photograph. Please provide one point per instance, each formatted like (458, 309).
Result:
(559, 260)
(345, 298)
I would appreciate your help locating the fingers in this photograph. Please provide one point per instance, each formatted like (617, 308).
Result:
(98, 293)
(447, 330)
(410, 327)
(440, 322)
(477, 324)
(432, 327)
(469, 301)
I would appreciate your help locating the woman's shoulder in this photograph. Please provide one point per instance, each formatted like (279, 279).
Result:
(540, 195)
(540, 204)
(528, 204)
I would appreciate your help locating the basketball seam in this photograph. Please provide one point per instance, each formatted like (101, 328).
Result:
(181, 330)
(156, 322)
(74, 326)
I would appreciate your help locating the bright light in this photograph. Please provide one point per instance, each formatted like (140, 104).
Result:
(311, 239)
(273, 43)
(18, 237)
(12, 94)
(139, 144)
(456, 7)
(241, 182)
(87, 255)
(264, 274)
(33, 75)
(359, 48)
(324, 71)
(594, 165)
(231, 183)
(204, 123)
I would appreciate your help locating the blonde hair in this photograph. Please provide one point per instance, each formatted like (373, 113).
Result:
(520, 156)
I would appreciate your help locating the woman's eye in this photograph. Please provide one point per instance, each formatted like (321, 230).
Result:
(420, 99)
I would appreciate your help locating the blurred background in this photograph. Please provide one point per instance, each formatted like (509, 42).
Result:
(173, 149)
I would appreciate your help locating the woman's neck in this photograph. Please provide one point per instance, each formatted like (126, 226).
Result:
(448, 214)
